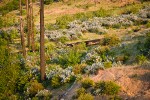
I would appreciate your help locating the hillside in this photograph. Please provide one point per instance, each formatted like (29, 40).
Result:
(93, 50)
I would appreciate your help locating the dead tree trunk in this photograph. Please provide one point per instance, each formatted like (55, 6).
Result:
(32, 25)
(22, 31)
(42, 52)
(28, 22)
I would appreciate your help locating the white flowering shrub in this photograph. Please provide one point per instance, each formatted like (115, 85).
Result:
(60, 75)
(97, 59)
(93, 69)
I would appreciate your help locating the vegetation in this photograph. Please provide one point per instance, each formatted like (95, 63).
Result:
(109, 88)
(79, 50)
(86, 83)
(86, 97)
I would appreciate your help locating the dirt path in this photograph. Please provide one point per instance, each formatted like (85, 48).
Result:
(134, 81)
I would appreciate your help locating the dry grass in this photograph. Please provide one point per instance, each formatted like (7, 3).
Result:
(59, 9)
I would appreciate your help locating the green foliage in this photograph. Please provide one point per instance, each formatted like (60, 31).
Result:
(72, 57)
(148, 25)
(133, 8)
(86, 96)
(50, 47)
(103, 50)
(111, 40)
(35, 87)
(9, 71)
(109, 88)
(79, 68)
(141, 59)
(63, 39)
(13, 34)
(47, 2)
(107, 64)
(63, 21)
(8, 20)
(101, 13)
(86, 83)
(146, 50)
(80, 91)
(56, 82)
(10, 6)
(117, 26)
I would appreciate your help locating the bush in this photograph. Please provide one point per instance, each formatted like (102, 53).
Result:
(111, 40)
(9, 71)
(79, 68)
(148, 25)
(109, 88)
(80, 91)
(141, 59)
(107, 64)
(72, 57)
(63, 39)
(87, 83)
(63, 21)
(101, 13)
(56, 81)
(133, 8)
(86, 96)
(103, 50)
(35, 87)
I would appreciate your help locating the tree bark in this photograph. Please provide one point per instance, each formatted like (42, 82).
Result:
(42, 52)
(22, 31)
(28, 22)
(32, 26)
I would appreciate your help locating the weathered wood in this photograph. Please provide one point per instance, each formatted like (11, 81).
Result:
(87, 42)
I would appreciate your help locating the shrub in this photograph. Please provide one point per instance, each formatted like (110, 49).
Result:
(79, 68)
(141, 59)
(63, 21)
(103, 50)
(109, 88)
(56, 81)
(111, 40)
(63, 39)
(101, 13)
(117, 26)
(133, 8)
(80, 91)
(72, 57)
(107, 64)
(9, 71)
(35, 87)
(86, 96)
(86, 83)
(148, 25)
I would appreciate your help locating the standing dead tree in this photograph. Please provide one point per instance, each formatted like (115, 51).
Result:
(22, 31)
(42, 52)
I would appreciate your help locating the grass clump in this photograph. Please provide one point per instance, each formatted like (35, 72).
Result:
(108, 88)
(56, 82)
(111, 40)
(35, 87)
(107, 64)
(80, 91)
(86, 96)
(141, 59)
(87, 83)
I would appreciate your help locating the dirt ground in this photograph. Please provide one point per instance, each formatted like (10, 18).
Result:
(134, 82)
